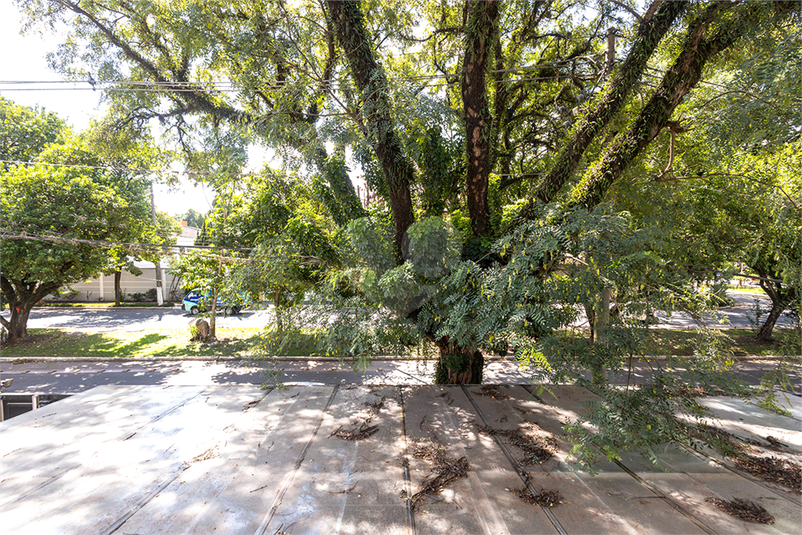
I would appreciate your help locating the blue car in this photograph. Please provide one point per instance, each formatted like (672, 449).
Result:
(198, 301)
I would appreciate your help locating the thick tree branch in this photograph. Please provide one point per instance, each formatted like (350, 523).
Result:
(480, 34)
(349, 27)
(685, 73)
(198, 100)
(650, 33)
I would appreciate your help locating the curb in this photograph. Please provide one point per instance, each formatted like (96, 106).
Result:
(104, 309)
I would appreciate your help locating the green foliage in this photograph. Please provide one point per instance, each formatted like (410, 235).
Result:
(308, 76)
(193, 218)
(434, 248)
(334, 189)
(367, 243)
(441, 171)
(25, 132)
(77, 199)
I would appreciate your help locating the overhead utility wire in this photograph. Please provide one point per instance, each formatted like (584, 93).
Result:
(104, 243)
(83, 166)
(189, 84)
(193, 174)
(229, 86)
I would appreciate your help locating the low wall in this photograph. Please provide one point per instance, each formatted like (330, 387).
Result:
(101, 289)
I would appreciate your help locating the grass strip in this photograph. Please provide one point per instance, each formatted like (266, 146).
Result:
(121, 344)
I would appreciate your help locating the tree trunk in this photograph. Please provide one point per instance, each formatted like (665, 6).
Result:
(17, 324)
(21, 296)
(767, 329)
(777, 305)
(277, 308)
(353, 36)
(601, 321)
(458, 365)
(212, 317)
(118, 275)
(480, 33)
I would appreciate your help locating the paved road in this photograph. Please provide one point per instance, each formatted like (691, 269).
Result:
(132, 319)
(139, 319)
(73, 377)
(736, 316)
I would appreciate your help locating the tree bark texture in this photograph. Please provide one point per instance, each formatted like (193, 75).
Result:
(767, 329)
(610, 102)
(458, 365)
(349, 26)
(480, 32)
(21, 298)
(710, 33)
(780, 298)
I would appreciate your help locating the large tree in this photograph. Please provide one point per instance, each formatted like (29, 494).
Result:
(68, 201)
(493, 133)
(133, 161)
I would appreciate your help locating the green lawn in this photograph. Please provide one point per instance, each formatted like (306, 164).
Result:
(245, 343)
(743, 343)
(156, 342)
(748, 290)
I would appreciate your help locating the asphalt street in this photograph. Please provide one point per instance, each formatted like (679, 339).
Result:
(132, 319)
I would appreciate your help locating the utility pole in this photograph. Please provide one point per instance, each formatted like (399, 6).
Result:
(610, 51)
(159, 290)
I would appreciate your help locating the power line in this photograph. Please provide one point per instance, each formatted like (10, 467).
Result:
(192, 174)
(83, 166)
(223, 84)
(104, 243)
(133, 86)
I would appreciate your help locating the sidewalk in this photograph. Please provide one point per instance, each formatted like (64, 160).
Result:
(363, 459)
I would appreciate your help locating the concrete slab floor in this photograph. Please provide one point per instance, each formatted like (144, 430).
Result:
(353, 459)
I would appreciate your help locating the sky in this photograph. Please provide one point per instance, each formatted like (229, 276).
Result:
(23, 59)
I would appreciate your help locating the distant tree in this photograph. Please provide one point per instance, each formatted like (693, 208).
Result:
(25, 131)
(193, 218)
(284, 226)
(205, 271)
(58, 204)
(65, 200)
(133, 160)
(724, 180)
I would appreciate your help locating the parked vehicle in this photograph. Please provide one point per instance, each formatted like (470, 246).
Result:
(197, 301)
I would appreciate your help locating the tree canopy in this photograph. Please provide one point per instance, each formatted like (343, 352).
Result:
(70, 201)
